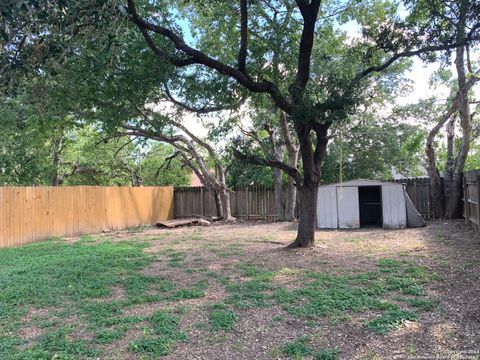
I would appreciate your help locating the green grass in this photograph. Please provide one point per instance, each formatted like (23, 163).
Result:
(336, 296)
(75, 281)
(390, 320)
(301, 347)
(54, 273)
(194, 292)
(221, 318)
(327, 354)
(166, 333)
(176, 259)
(58, 342)
(298, 348)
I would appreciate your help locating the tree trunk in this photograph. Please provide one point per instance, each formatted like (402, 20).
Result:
(218, 204)
(291, 200)
(452, 208)
(450, 162)
(437, 199)
(453, 204)
(307, 217)
(312, 163)
(278, 193)
(225, 200)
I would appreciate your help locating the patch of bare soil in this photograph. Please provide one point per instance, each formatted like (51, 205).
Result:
(448, 249)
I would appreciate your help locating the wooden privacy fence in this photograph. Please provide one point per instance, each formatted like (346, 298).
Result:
(258, 203)
(34, 213)
(471, 199)
(248, 203)
(418, 190)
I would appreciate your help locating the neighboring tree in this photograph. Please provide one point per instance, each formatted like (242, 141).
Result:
(116, 81)
(374, 148)
(38, 152)
(271, 135)
(243, 174)
(194, 153)
(158, 168)
(456, 21)
(25, 147)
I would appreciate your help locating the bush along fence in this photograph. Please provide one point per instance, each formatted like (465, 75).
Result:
(29, 214)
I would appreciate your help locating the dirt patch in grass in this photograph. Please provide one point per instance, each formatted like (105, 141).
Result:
(36, 313)
(30, 332)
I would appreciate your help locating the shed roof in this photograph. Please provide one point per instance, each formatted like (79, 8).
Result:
(363, 182)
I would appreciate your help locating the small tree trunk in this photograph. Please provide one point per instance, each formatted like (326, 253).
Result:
(453, 204)
(452, 208)
(292, 151)
(278, 192)
(225, 200)
(291, 200)
(450, 162)
(218, 204)
(436, 196)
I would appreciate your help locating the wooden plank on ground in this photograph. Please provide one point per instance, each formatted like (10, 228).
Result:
(181, 222)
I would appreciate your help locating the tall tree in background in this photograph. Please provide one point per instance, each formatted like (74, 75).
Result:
(372, 147)
(271, 134)
(457, 22)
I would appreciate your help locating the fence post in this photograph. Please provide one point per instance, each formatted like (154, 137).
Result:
(466, 203)
(478, 202)
(415, 191)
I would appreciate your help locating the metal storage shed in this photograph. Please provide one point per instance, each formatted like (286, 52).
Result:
(358, 203)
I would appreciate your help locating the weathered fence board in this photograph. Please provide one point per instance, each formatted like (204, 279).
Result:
(248, 203)
(419, 191)
(34, 213)
(471, 203)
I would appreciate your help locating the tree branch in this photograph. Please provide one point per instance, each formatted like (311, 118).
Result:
(410, 53)
(202, 110)
(309, 13)
(197, 57)
(294, 173)
(242, 54)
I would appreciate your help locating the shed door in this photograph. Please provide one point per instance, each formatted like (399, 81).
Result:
(348, 207)
(327, 208)
(394, 207)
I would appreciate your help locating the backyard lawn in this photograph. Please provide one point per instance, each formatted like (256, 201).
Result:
(233, 292)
